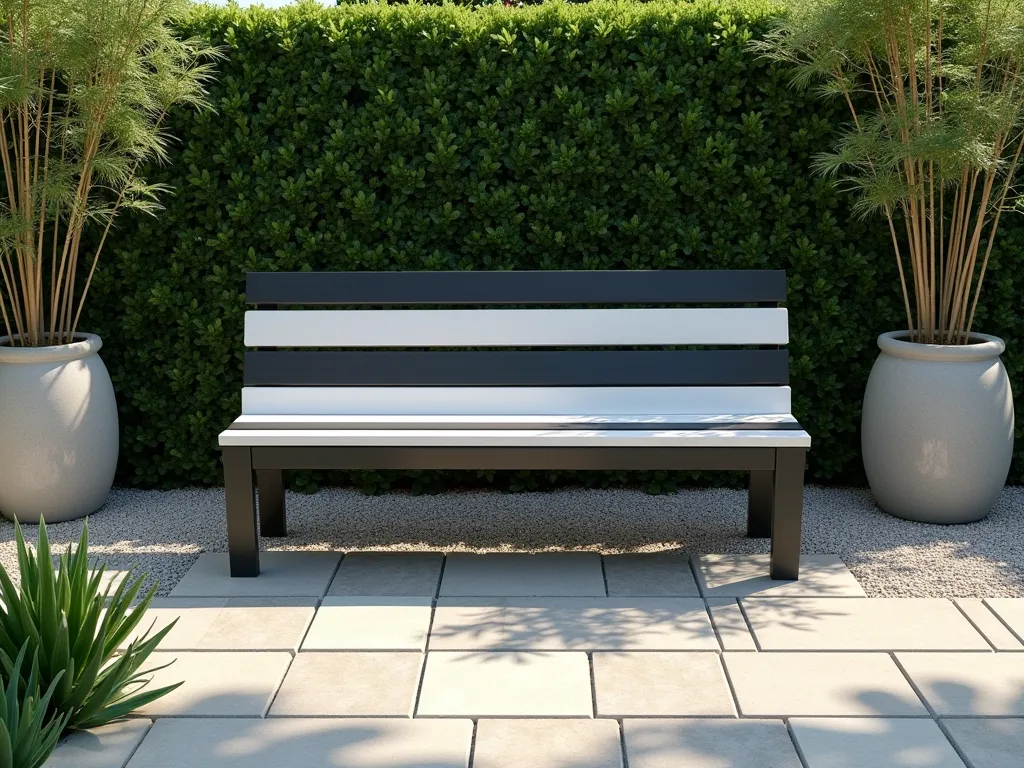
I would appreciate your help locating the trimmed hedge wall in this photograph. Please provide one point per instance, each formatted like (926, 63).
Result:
(597, 136)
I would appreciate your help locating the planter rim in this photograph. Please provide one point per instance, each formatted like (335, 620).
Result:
(987, 348)
(86, 344)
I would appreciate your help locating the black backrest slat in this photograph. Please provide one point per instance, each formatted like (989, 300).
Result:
(605, 368)
(527, 287)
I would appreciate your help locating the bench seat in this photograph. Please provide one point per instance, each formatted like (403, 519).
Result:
(717, 437)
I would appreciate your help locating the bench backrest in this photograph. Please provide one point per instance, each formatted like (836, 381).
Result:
(413, 359)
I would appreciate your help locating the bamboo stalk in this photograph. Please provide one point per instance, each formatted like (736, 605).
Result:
(5, 268)
(899, 266)
(992, 231)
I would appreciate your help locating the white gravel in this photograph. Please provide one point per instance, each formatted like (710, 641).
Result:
(162, 532)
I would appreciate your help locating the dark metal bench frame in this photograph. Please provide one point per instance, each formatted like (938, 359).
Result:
(775, 493)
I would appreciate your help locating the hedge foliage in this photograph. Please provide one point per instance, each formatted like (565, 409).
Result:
(599, 136)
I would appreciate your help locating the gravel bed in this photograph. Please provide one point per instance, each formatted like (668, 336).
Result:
(162, 532)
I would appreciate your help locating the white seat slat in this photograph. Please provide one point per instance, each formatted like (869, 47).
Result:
(385, 421)
(511, 401)
(480, 438)
(516, 327)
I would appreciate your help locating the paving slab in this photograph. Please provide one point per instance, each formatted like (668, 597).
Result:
(350, 685)
(111, 579)
(989, 742)
(965, 684)
(224, 684)
(229, 623)
(306, 742)
(747, 576)
(988, 623)
(1010, 611)
(388, 574)
(192, 617)
(487, 684)
(730, 625)
(370, 624)
(108, 746)
(655, 574)
(573, 623)
(869, 624)
(842, 742)
(661, 685)
(547, 574)
(708, 744)
(282, 574)
(462, 623)
(820, 684)
(547, 744)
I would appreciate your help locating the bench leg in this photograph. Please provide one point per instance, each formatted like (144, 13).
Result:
(760, 498)
(787, 512)
(243, 541)
(270, 492)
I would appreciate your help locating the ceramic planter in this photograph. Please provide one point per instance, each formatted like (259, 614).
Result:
(58, 430)
(937, 428)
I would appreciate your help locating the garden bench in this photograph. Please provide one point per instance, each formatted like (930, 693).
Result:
(397, 387)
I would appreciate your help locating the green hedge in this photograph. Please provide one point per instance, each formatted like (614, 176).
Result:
(596, 136)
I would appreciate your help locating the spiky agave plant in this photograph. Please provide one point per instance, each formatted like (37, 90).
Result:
(935, 92)
(75, 627)
(27, 733)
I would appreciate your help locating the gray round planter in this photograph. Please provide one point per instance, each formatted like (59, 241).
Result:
(58, 430)
(937, 428)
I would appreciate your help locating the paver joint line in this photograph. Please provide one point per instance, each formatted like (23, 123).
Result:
(750, 627)
(974, 624)
(796, 745)
(1004, 622)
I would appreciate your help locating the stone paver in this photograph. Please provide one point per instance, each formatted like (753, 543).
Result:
(870, 624)
(193, 617)
(229, 623)
(370, 624)
(964, 684)
(108, 746)
(989, 742)
(747, 575)
(1010, 610)
(730, 625)
(708, 744)
(462, 623)
(458, 684)
(573, 623)
(986, 622)
(302, 742)
(661, 684)
(820, 684)
(282, 574)
(234, 684)
(548, 574)
(547, 744)
(350, 685)
(842, 742)
(394, 574)
(111, 579)
(658, 574)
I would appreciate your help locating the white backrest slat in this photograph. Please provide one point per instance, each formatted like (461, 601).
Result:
(515, 327)
(492, 401)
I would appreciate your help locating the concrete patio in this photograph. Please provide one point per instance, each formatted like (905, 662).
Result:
(568, 660)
